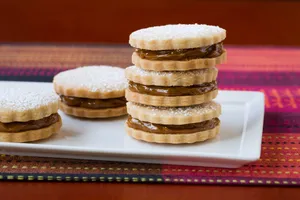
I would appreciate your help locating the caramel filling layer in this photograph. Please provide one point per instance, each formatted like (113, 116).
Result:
(15, 127)
(172, 129)
(211, 51)
(93, 103)
(173, 91)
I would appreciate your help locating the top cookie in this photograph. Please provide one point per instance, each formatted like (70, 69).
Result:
(19, 105)
(94, 82)
(180, 36)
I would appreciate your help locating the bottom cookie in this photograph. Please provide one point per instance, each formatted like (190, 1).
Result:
(173, 138)
(31, 135)
(93, 113)
(170, 101)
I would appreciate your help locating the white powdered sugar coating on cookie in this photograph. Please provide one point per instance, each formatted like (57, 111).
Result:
(17, 99)
(141, 72)
(100, 78)
(178, 111)
(178, 31)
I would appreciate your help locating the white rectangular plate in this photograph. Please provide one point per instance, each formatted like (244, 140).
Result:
(238, 143)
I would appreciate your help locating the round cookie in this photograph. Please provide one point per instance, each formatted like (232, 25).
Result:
(178, 47)
(176, 36)
(173, 125)
(175, 78)
(175, 65)
(171, 89)
(27, 116)
(92, 91)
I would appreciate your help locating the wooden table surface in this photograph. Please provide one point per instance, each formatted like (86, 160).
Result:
(107, 191)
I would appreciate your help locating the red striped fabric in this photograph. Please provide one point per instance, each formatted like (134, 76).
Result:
(271, 70)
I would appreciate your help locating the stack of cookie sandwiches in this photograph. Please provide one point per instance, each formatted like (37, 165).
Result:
(92, 91)
(173, 83)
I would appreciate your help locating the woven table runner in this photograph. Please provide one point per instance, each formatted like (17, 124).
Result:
(274, 71)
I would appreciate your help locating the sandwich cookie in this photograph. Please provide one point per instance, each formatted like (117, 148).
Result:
(173, 125)
(27, 116)
(92, 91)
(171, 89)
(178, 47)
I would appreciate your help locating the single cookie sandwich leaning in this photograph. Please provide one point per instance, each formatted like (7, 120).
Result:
(178, 47)
(27, 116)
(92, 91)
(173, 125)
(171, 88)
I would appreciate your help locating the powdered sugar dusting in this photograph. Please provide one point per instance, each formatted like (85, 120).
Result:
(93, 78)
(143, 73)
(179, 111)
(178, 31)
(17, 99)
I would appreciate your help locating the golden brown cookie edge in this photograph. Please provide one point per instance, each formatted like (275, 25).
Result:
(178, 65)
(173, 138)
(93, 113)
(169, 101)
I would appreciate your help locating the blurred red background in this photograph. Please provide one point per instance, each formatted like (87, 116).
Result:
(265, 22)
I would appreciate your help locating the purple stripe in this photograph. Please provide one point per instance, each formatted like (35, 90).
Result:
(276, 122)
(224, 78)
(285, 109)
(258, 78)
(76, 63)
(29, 74)
(32, 71)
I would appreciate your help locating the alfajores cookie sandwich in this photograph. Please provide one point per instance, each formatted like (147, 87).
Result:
(171, 89)
(173, 125)
(178, 47)
(27, 116)
(92, 91)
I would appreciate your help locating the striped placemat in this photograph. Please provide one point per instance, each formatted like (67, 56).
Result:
(274, 71)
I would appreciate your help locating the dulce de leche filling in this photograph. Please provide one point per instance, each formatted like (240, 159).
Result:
(211, 51)
(172, 129)
(93, 103)
(173, 90)
(15, 127)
